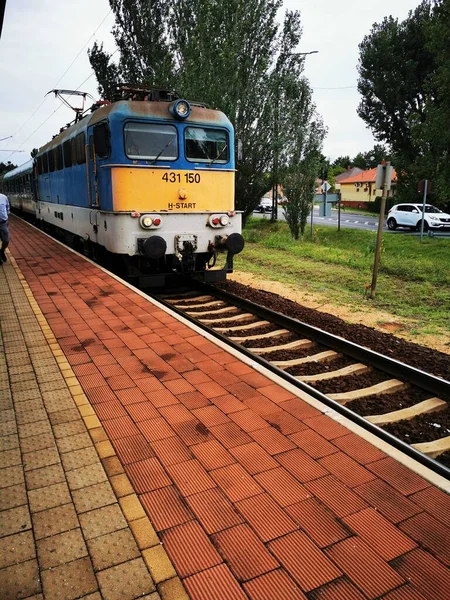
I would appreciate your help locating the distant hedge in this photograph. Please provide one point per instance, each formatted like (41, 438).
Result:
(375, 206)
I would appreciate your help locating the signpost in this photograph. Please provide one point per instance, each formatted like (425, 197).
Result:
(383, 180)
(325, 186)
(423, 188)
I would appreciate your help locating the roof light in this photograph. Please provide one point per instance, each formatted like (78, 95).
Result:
(180, 109)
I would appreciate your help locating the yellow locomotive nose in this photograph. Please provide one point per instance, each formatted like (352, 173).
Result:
(182, 194)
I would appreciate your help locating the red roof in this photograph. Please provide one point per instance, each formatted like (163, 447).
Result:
(346, 174)
(368, 176)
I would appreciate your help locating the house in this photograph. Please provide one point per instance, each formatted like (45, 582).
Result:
(318, 189)
(358, 190)
(350, 172)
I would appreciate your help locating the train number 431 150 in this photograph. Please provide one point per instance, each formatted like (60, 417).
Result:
(178, 177)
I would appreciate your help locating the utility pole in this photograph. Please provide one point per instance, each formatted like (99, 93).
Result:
(276, 150)
(425, 187)
(384, 173)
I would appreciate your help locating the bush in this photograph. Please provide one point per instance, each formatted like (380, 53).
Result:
(375, 206)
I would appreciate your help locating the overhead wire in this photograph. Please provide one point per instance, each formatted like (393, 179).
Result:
(54, 86)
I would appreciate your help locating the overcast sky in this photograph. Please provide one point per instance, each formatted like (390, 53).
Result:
(44, 43)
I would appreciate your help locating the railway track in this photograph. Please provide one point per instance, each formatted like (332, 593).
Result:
(383, 395)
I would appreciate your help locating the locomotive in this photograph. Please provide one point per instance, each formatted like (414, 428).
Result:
(144, 183)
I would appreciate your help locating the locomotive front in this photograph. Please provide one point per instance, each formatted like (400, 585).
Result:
(165, 174)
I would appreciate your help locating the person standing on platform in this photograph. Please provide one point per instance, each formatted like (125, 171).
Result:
(4, 230)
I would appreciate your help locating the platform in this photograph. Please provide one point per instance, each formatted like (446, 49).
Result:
(140, 458)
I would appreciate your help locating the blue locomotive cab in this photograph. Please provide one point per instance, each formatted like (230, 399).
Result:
(148, 182)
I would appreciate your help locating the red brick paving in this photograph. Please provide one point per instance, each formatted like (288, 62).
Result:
(340, 589)
(364, 567)
(318, 522)
(243, 552)
(229, 465)
(276, 585)
(379, 533)
(303, 560)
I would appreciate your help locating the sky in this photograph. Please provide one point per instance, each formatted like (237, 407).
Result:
(44, 46)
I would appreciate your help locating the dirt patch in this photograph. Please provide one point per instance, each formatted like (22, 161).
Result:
(392, 327)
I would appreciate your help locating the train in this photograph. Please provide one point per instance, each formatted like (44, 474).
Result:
(144, 182)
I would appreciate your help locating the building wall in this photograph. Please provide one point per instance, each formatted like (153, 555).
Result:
(351, 195)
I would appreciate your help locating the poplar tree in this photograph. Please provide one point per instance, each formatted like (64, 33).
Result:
(230, 54)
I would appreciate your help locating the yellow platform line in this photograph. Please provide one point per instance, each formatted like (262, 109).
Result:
(158, 563)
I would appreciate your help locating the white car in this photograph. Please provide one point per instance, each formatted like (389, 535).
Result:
(410, 215)
(265, 205)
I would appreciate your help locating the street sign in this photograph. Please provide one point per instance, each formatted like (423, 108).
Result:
(421, 187)
(326, 186)
(383, 171)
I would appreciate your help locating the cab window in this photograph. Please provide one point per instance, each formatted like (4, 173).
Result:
(151, 141)
(206, 145)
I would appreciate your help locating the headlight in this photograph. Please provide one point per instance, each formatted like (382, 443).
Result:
(219, 220)
(150, 221)
(180, 109)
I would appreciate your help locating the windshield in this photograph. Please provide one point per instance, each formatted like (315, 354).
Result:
(206, 145)
(429, 209)
(151, 141)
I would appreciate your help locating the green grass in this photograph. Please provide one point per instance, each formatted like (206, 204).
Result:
(413, 279)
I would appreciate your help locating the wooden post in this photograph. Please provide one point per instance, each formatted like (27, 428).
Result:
(380, 231)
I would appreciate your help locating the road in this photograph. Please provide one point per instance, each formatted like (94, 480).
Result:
(350, 220)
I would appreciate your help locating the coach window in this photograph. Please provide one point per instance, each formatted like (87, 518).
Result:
(149, 141)
(51, 160)
(59, 158)
(67, 151)
(206, 145)
(45, 162)
(102, 140)
(73, 151)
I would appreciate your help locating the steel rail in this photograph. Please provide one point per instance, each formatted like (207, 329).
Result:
(431, 383)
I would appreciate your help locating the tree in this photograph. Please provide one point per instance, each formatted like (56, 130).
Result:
(432, 134)
(342, 161)
(404, 78)
(331, 176)
(300, 172)
(6, 167)
(230, 54)
(372, 158)
(141, 35)
(394, 66)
